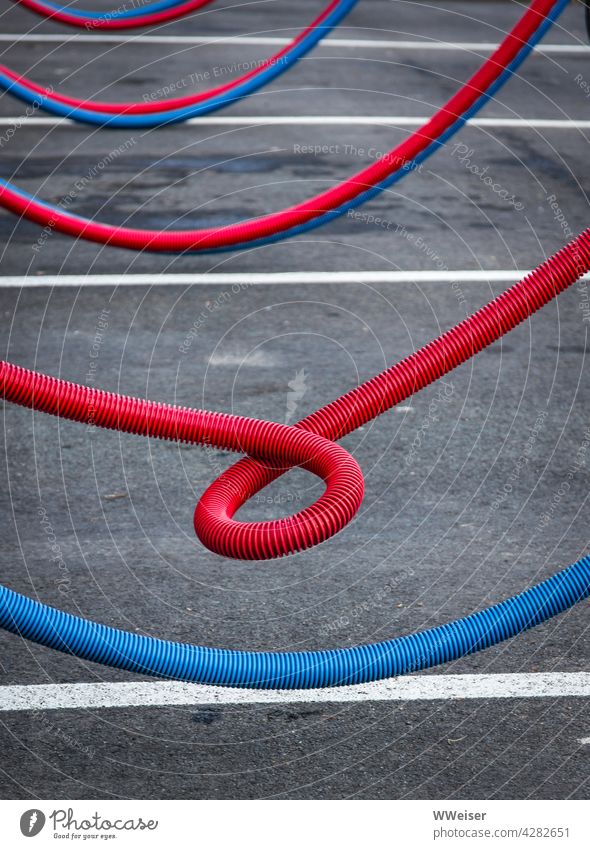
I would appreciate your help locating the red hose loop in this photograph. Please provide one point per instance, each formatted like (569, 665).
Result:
(421, 368)
(280, 445)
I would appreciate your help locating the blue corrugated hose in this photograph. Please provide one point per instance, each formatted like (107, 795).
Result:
(295, 670)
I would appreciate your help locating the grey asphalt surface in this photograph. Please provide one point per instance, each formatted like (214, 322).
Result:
(437, 536)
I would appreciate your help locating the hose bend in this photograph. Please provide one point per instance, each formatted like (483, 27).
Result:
(121, 18)
(280, 445)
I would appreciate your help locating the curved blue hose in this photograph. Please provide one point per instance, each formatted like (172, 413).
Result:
(295, 670)
(174, 116)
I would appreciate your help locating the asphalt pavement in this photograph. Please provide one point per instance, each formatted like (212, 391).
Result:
(465, 502)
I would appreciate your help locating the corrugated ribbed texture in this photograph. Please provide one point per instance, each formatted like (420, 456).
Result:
(282, 445)
(295, 670)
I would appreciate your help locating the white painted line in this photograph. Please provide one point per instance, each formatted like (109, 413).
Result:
(371, 44)
(414, 688)
(326, 121)
(264, 278)
(585, 741)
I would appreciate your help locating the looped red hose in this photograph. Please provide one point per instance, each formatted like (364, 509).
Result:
(106, 21)
(281, 447)
(272, 447)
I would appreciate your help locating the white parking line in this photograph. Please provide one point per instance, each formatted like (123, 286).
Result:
(372, 44)
(326, 121)
(414, 688)
(264, 278)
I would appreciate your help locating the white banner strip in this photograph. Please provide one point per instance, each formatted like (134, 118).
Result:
(292, 824)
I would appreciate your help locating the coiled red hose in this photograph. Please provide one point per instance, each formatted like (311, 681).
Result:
(272, 447)
(280, 445)
(108, 20)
